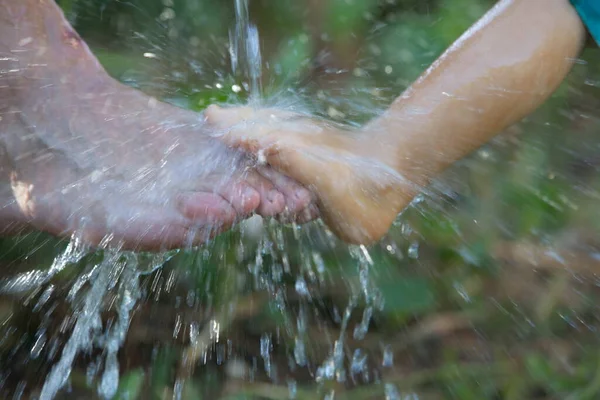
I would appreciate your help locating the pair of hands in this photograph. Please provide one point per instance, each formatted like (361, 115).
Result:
(356, 190)
(268, 135)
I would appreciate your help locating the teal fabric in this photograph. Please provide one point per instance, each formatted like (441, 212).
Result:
(589, 10)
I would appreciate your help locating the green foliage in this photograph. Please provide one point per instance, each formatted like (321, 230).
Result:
(584, 378)
(346, 17)
(407, 296)
(130, 385)
(456, 16)
(293, 58)
(162, 372)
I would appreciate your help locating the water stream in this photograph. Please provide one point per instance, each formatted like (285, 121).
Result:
(244, 50)
(110, 281)
(119, 272)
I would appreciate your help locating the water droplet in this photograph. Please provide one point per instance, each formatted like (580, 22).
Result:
(167, 14)
(361, 329)
(359, 72)
(37, 347)
(301, 287)
(326, 371)
(265, 352)
(359, 363)
(215, 330)
(319, 263)
(333, 366)
(462, 291)
(190, 298)
(110, 378)
(292, 389)
(220, 353)
(44, 297)
(335, 113)
(177, 326)
(20, 390)
(413, 250)
(236, 369)
(178, 389)
(388, 357)
(391, 392)
(194, 332)
(300, 352)
(330, 395)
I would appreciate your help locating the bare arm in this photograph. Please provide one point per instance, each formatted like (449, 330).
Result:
(499, 71)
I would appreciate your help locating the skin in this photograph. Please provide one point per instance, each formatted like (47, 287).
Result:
(496, 73)
(79, 152)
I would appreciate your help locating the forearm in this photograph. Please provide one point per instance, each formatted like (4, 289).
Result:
(499, 71)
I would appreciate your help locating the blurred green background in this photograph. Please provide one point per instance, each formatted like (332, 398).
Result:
(486, 287)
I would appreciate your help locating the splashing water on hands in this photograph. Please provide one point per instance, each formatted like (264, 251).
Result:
(272, 310)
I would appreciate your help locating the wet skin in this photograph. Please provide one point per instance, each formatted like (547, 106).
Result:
(80, 152)
(362, 179)
(499, 71)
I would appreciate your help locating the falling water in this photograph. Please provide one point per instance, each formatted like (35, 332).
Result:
(328, 300)
(244, 50)
(110, 281)
(117, 272)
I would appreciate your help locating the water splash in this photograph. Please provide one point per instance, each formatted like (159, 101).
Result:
(265, 352)
(115, 270)
(244, 51)
(30, 280)
(333, 367)
(118, 274)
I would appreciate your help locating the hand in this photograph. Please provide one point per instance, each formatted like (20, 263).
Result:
(358, 194)
(257, 132)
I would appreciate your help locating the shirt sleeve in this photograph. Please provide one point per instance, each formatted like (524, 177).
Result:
(589, 11)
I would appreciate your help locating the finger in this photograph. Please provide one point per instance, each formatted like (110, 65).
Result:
(309, 214)
(272, 201)
(219, 116)
(205, 208)
(297, 198)
(242, 197)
